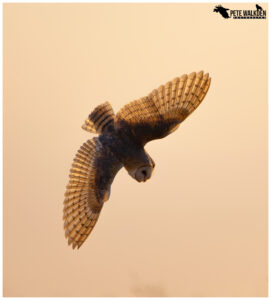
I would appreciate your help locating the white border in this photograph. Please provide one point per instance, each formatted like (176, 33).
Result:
(138, 1)
(134, 1)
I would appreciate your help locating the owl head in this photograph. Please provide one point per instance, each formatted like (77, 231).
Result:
(140, 169)
(142, 173)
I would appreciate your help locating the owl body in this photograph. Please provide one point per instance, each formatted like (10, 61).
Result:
(125, 151)
(120, 143)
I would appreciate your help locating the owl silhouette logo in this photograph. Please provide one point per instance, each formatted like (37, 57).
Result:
(222, 10)
(252, 14)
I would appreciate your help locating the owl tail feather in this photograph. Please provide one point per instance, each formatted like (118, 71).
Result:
(101, 120)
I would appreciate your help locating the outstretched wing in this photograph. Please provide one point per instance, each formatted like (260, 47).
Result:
(93, 170)
(162, 111)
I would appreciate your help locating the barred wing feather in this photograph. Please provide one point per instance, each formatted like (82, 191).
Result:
(162, 111)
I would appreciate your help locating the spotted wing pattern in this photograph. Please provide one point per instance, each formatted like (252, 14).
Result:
(162, 111)
(91, 176)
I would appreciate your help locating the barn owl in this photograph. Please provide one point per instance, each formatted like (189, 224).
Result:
(120, 143)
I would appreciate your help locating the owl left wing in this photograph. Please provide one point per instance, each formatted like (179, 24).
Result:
(92, 173)
(162, 111)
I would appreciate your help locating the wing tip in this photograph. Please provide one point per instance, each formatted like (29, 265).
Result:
(184, 77)
(192, 75)
(200, 74)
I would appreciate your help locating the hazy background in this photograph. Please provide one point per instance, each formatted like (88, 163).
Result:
(199, 226)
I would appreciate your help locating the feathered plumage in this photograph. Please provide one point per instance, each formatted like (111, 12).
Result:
(121, 143)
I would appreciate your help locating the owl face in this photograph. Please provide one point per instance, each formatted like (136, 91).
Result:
(142, 173)
(139, 164)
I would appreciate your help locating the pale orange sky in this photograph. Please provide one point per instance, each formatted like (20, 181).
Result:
(199, 226)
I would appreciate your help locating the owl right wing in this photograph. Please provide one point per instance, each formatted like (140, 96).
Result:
(93, 170)
(162, 111)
